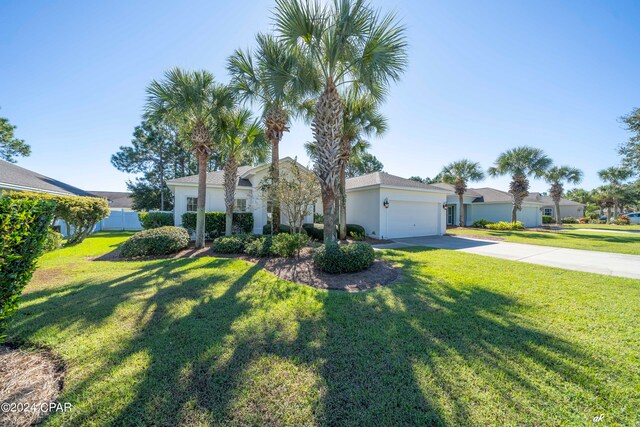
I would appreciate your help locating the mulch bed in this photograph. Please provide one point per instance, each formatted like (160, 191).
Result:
(299, 270)
(29, 381)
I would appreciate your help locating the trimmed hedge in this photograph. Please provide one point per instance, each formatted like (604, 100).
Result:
(151, 220)
(24, 229)
(157, 241)
(570, 220)
(504, 225)
(266, 229)
(288, 245)
(228, 245)
(316, 231)
(53, 242)
(481, 223)
(260, 247)
(79, 212)
(334, 258)
(214, 223)
(547, 219)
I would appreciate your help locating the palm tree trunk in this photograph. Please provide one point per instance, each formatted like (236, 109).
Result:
(202, 195)
(275, 179)
(461, 209)
(342, 198)
(514, 213)
(558, 219)
(230, 178)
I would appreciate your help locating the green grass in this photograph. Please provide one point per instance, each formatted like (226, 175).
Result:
(590, 241)
(459, 340)
(631, 227)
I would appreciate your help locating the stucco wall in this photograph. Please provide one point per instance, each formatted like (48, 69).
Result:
(495, 212)
(214, 201)
(362, 209)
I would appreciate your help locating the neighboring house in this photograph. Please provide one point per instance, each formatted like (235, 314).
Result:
(116, 199)
(492, 205)
(121, 215)
(249, 198)
(389, 206)
(568, 208)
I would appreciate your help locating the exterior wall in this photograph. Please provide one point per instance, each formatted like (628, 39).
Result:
(363, 209)
(214, 201)
(530, 215)
(566, 210)
(437, 216)
(454, 200)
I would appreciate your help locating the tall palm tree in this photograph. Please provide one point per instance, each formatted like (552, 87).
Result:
(520, 163)
(556, 176)
(604, 199)
(615, 177)
(242, 142)
(194, 101)
(581, 195)
(459, 174)
(350, 44)
(274, 78)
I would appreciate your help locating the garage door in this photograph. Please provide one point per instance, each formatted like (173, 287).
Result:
(410, 219)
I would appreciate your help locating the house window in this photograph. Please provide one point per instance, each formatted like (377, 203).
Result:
(451, 214)
(548, 211)
(269, 211)
(192, 204)
(241, 205)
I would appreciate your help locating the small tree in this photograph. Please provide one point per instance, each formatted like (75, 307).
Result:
(297, 191)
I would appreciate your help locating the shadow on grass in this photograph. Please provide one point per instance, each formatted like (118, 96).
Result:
(262, 351)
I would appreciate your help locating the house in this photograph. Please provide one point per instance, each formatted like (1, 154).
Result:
(116, 199)
(16, 178)
(568, 208)
(249, 198)
(121, 214)
(492, 205)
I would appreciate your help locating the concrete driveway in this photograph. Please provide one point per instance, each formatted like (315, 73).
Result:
(571, 259)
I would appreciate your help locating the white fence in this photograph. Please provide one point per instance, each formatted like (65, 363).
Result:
(120, 220)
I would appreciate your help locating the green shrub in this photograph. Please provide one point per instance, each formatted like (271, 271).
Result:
(570, 220)
(266, 229)
(357, 236)
(259, 247)
(318, 218)
(622, 220)
(288, 245)
(214, 223)
(334, 258)
(24, 226)
(547, 219)
(53, 242)
(481, 223)
(79, 212)
(593, 215)
(157, 241)
(151, 220)
(315, 231)
(504, 225)
(228, 245)
(355, 229)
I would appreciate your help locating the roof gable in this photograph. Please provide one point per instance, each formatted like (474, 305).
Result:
(386, 179)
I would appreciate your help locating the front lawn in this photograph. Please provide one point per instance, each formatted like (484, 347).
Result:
(590, 241)
(630, 227)
(459, 340)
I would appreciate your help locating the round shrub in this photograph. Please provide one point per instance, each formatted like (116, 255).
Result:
(260, 247)
(288, 245)
(547, 219)
(53, 242)
(481, 223)
(228, 245)
(157, 241)
(151, 220)
(334, 258)
(266, 229)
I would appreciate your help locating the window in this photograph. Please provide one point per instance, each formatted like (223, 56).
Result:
(269, 211)
(548, 211)
(192, 204)
(241, 205)
(451, 214)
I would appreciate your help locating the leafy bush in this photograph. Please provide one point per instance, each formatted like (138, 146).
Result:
(228, 245)
(481, 223)
(594, 215)
(622, 220)
(24, 226)
(547, 219)
(355, 229)
(151, 220)
(315, 231)
(288, 245)
(318, 218)
(266, 229)
(157, 241)
(79, 212)
(583, 220)
(504, 225)
(570, 220)
(214, 223)
(357, 236)
(260, 247)
(53, 241)
(334, 258)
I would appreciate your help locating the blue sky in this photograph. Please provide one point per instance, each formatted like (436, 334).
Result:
(483, 77)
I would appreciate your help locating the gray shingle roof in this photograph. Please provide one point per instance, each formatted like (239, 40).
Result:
(214, 178)
(117, 199)
(15, 177)
(470, 191)
(547, 200)
(491, 195)
(383, 178)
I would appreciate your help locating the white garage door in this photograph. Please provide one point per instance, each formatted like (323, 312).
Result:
(410, 219)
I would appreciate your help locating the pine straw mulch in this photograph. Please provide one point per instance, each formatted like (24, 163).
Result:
(29, 379)
(299, 270)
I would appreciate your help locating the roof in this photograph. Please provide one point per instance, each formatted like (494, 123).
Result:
(491, 195)
(383, 178)
(547, 200)
(215, 178)
(470, 191)
(117, 199)
(14, 177)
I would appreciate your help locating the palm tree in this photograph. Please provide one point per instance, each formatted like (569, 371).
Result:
(272, 77)
(604, 198)
(556, 176)
(194, 102)
(459, 174)
(349, 44)
(615, 176)
(242, 142)
(581, 195)
(520, 163)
